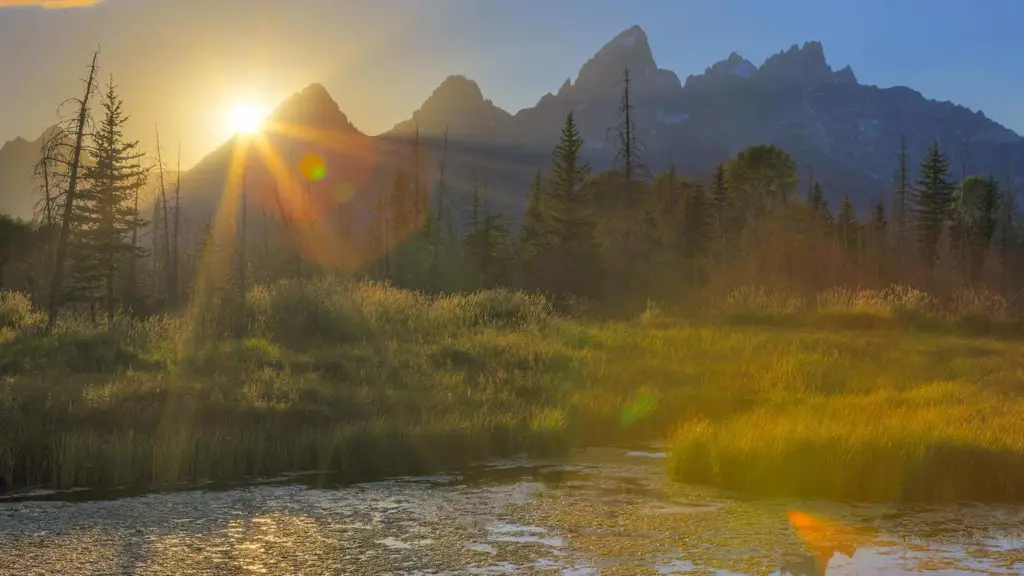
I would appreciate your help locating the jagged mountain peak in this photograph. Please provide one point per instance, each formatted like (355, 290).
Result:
(629, 38)
(566, 86)
(601, 76)
(846, 75)
(805, 65)
(734, 65)
(457, 105)
(731, 69)
(458, 88)
(312, 106)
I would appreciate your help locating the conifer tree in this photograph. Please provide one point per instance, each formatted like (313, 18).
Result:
(722, 203)
(846, 225)
(901, 194)
(878, 228)
(697, 229)
(932, 201)
(818, 206)
(765, 177)
(878, 220)
(487, 244)
(534, 232)
(568, 211)
(976, 208)
(105, 215)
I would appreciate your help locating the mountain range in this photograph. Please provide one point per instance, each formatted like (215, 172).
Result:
(847, 133)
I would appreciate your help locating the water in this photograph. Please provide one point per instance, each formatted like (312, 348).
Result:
(604, 511)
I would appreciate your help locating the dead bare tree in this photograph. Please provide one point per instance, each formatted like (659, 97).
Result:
(437, 232)
(241, 242)
(175, 269)
(69, 195)
(167, 227)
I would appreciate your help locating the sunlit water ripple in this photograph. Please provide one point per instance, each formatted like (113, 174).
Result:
(604, 511)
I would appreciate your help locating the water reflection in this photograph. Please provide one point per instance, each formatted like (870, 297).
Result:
(817, 563)
(601, 512)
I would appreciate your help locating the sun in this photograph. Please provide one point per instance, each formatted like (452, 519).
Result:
(247, 118)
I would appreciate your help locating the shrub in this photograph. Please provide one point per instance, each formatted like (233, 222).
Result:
(16, 311)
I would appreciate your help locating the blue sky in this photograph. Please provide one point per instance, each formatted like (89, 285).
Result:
(184, 63)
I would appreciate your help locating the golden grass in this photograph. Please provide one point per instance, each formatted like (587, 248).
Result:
(370, 380)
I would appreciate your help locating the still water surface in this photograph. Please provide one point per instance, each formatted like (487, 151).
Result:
(602, 511)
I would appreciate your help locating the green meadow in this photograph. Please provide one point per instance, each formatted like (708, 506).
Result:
(854, 395)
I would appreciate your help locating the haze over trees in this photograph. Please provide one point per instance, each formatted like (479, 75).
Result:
(618, 238)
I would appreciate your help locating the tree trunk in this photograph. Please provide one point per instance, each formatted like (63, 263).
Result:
(69, 200)
(168, 273)
(241, 246)
(175, 268)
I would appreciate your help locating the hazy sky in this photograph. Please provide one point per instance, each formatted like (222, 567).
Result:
(183, 64)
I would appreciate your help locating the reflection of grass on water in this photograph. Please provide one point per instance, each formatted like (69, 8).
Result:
(372, 380)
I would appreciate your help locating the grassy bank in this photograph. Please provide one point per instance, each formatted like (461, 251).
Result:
(371, 380)
(364, 379)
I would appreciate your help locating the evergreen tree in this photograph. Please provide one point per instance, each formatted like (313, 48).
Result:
(534, 233)
(878, 243)
(818, 207)
(878, 220)
(697, 229)
(976, 212)
(14, 237)
(765, 177)
(105, 215)
(487, 245)
(722, 203)
(932, 201)
(900, 194)
(846, 225)
(568, 211)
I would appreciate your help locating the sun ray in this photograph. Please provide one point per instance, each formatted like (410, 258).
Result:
(352, 145)
(311, 238)
(216, 257)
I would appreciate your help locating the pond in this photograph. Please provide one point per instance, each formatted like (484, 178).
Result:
(598, 511)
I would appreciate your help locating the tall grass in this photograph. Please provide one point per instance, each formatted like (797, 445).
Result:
(302, 375)
(975, 312)
(370, 380)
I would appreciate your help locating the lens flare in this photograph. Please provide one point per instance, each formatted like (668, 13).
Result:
(825, 536)
(640, 407)
(313, 167)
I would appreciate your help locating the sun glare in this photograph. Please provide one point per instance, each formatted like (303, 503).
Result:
(247, 119)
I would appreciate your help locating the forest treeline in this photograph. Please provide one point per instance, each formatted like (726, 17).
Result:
(615, 239)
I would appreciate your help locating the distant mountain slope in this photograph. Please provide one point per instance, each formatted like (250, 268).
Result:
(17, 161)
(845, 132)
